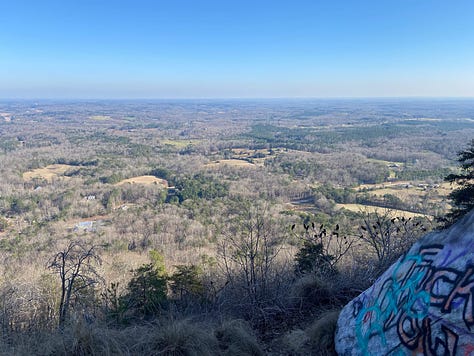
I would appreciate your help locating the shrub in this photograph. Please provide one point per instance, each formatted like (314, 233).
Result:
(322, 331)
(237, 338)
(312, 291)
(311, 258)
(77, 337)
(296, 343)
(177, 338)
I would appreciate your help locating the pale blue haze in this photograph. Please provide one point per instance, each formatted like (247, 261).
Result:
(203, 49)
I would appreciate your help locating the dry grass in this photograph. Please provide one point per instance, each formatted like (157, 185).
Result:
(48, 172)
(237, 338)
(438, 193)
(399, 189)
(311, 291)
(383, 185)
(6, 116)
(231, 162)
(77, 338)
(177, 338)
(100, 117)
(321, 333)
(295, 342)
(372, 209)
(169, 337)
(145, 180)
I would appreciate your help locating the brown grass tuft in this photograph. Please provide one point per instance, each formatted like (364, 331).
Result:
(313, 291)
(237, 338)
(76, 338)
(296, 342)
(177, 338)
(322, 331)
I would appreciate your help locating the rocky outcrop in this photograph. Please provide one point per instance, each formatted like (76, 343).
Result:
(422, 305)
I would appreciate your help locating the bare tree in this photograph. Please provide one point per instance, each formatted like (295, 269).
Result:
(390, 236)
(321, 248)
(76, 267)
(249, 249)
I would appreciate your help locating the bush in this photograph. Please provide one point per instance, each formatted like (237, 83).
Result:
(76, 338)
(321, 333)
(296, 343)
(237, 338)
(177, 338)
(311, 291)
(311, 258)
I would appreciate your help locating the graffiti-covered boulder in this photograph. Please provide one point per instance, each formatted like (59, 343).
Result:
(422, 305)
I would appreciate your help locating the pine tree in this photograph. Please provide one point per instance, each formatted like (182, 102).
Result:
(463, 196)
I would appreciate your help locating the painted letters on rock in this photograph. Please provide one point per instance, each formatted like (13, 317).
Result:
(422, 305)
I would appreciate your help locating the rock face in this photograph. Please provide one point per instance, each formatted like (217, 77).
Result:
(422, 305)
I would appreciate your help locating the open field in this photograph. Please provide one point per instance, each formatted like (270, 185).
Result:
(406, 190)
(145, 180)
(370, 209)
(383, 185)
(6, 116)
(231, 162)
(100, 117)
(48, 172)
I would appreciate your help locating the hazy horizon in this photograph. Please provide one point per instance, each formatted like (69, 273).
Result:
(247, 50)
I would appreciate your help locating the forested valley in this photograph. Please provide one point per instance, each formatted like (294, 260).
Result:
(193, 227)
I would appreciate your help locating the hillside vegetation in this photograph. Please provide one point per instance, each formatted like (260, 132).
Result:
(209, 227)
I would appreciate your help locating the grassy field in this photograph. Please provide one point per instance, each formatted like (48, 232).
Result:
(231, 162)
(100, 117)
(6, 116)
(405, 190)
(146, 180)
(48, 172)
(370, 209)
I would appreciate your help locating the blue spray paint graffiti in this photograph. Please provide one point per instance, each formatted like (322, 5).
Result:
(404, 301)
(399, 294)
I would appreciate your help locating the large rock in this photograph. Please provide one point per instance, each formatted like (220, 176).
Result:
(422, 305)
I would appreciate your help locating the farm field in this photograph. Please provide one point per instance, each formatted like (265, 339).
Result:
(146, 180)
(360, 208)
(48, 173)
(232, 163)
(100, 117)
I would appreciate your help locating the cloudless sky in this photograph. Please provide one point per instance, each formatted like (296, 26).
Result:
(227, 48)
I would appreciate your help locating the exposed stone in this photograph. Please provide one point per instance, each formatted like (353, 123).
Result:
(422, 305)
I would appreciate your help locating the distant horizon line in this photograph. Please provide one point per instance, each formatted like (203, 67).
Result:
(241, 98)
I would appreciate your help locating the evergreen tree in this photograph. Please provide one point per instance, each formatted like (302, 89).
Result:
(148, 287)
(463, 196)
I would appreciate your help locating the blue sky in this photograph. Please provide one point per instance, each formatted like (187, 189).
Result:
(227, 48)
